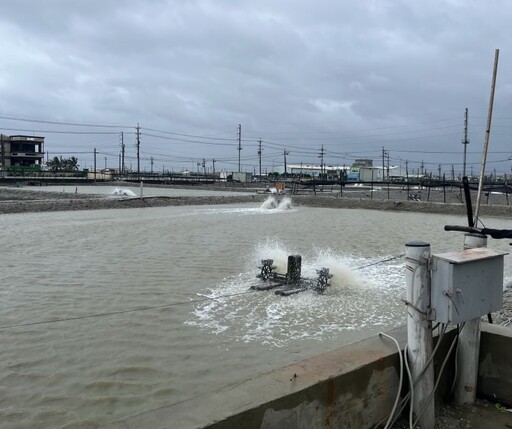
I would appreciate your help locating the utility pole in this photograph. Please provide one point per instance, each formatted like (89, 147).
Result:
(138, 150)
(239, 144)
(383, 155)
(321, 156)
(105, 163)
(151, 165)
(465, 142)
(122, 152)
(422, 167)
(453, 173)
(213, 163)
(439, 170)
(3, 150)
(387, 155)
(259, 155)
(95, 164)
(285, 152)
(204, 166)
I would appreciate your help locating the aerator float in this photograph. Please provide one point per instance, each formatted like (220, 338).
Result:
(291, 282)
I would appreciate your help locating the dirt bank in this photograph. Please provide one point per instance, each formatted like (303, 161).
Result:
(14, 200)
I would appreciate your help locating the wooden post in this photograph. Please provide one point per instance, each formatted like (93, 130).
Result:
(419, 329)
(469, 343)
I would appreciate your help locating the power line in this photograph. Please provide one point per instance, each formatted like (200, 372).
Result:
(60, 132)
(131, 310)
(187, 135)
(41, 121)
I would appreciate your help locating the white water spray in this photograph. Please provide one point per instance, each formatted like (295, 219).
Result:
(272, 203)
(353, 303)
(285, 204)
(123, 192)
(269, 203)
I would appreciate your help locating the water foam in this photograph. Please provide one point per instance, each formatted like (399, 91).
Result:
(272, 203)
(355, 301)
(123, 192)
(285, 204)
(269, 203)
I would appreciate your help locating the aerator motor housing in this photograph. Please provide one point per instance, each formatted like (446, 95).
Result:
(291, 282)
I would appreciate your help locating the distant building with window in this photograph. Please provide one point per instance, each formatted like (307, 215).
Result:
(21, 151)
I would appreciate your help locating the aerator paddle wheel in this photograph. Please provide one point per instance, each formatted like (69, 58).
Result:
(266, 270)
(291, 282)
(322, 282)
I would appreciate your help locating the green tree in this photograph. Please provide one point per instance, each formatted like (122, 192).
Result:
(54, 164)
(57, 163)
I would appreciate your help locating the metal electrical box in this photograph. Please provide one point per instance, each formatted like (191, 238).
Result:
(466, 285)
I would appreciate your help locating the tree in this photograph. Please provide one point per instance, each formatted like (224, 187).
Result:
(54, 164)
(63, 164)
(70, 164)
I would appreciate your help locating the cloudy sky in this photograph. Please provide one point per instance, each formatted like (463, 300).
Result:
(352, 76)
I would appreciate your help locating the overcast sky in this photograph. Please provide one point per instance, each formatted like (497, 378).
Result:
(353, 76)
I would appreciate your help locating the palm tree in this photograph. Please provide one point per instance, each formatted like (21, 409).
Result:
(71, 164)
(55, 164)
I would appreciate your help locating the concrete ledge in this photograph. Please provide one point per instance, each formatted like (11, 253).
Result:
(352, 387)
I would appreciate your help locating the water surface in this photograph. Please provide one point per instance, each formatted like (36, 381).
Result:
(188, 270)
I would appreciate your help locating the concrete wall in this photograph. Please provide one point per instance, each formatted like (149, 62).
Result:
(495, 370)
(353, 387)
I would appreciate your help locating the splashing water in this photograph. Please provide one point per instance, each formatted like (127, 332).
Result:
(272, 203)
(285, 204)
(354, 301)
(269, 203)
(270, 249)
(339, 266)
(123, 192)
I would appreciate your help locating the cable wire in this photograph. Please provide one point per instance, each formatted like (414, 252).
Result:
(131, 310)
(397, 398)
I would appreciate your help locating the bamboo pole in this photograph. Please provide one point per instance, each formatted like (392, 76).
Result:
(487, 136)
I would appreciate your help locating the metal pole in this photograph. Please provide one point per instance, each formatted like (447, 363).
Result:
(138, 151)
(239, 144)
(487, 135)
(469, 343)
(259, 156)
(122, 152)
(465, 142)
(419, 329)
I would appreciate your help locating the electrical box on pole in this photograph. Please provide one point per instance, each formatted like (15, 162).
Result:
(466, 285)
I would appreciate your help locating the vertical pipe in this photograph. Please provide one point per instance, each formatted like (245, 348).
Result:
(467, 197)
(141, 189)
(419, 329)
(469, 343)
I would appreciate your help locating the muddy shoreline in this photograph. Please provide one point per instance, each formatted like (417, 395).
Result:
(14, 200)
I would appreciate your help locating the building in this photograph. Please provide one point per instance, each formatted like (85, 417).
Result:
(21, 151)
(331, 172)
